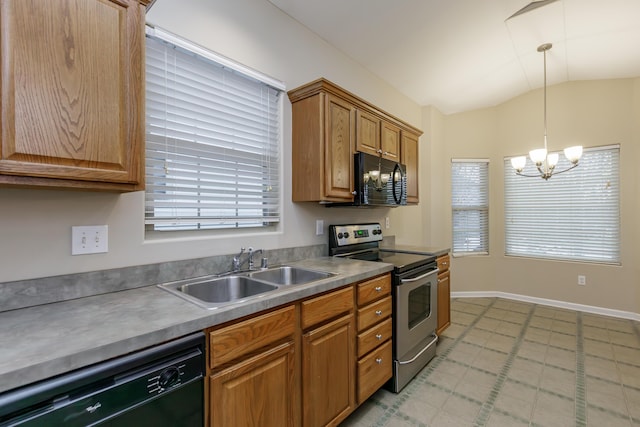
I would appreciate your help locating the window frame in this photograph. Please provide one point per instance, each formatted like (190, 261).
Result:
(240, 167)
(482, 209)
(573, 210)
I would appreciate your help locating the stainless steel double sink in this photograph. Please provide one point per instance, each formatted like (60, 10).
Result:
(214, 291)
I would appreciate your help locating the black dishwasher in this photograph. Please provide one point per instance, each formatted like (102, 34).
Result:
(159, 386)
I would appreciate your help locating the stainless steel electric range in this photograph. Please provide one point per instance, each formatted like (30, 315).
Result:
(414, 279)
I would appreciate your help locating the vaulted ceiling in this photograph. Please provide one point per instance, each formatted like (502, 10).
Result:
(460, 55)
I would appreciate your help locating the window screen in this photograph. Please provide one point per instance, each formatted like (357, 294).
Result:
(470, 206)
(572, 216)
(212, 140)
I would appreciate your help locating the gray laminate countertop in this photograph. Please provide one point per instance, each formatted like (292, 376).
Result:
(47, 340)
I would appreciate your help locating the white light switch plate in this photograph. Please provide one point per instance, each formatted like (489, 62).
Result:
(89, 239)
(319, 227)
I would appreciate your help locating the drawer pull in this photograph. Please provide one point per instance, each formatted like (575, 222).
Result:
(379, 360)
(378, 312)
(379, 336)
(378, 288)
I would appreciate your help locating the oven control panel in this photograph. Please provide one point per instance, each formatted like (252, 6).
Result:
(344, 235)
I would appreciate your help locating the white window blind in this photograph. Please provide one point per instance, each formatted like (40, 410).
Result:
(572, 216)
(212, 140)
(470, 206)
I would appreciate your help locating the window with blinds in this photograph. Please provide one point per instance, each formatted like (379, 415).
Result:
(572, 216)
(212, 140)
(470, 206)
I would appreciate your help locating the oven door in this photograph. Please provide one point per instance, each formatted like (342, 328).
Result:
(415, 321)
(416, 310)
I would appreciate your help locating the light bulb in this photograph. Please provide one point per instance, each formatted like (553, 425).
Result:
(385, 177)
(573, 153)
(374, 175)
(538, 156)
(552, 160)
(518, 163)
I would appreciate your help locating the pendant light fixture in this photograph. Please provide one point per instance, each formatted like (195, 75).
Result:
(546, 162)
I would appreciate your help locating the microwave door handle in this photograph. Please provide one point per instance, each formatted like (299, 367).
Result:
(393, 185)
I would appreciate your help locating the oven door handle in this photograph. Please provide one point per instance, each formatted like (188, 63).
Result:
(406, 362)
(415, 279)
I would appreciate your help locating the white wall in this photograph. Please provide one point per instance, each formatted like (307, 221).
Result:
(35, 226)
(591, 113)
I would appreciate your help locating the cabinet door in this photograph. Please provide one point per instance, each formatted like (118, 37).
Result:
(328, 377)
(340, 133)
(390, 142)
(444, 302)
(367, 133)
(72, 92)
(409, 156)
(257, 392)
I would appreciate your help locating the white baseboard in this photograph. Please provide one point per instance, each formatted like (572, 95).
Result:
(550, 302)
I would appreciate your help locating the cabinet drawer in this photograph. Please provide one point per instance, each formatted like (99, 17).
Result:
(374, 289)
(373, 337)
(443, 263)
(237, 340)
(374, 313)
(326, 306)
(373, 371)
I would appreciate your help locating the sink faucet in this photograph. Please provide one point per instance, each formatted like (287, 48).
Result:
(251, 254)
(238, 262)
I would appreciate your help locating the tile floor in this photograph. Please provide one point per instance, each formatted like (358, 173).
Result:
(507, 363)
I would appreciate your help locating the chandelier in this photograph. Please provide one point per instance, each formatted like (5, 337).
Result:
(546, 162)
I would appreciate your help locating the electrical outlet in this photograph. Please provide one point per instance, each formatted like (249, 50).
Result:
(89, 239)
(319, 227)
(582, 280)
(387, 223)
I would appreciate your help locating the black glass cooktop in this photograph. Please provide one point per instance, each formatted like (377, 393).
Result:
(401, 261)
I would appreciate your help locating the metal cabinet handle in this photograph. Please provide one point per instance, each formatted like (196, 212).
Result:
(378, 288)
(378, 312)
(379, 336)
(379, 360)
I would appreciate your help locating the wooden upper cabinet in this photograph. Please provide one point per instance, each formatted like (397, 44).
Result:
(338, 167)
(367, 133)
(409, 158)
(72, 93)
(329, 125)
(390, 141)
(376, 136)
(322, 153)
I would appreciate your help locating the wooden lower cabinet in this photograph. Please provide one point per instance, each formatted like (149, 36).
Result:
(374, 370)
(253, 371)
(309, 363)
(259, 391)
(374, 335)
(328, 378)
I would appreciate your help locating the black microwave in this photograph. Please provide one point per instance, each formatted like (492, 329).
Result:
(378, 182)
